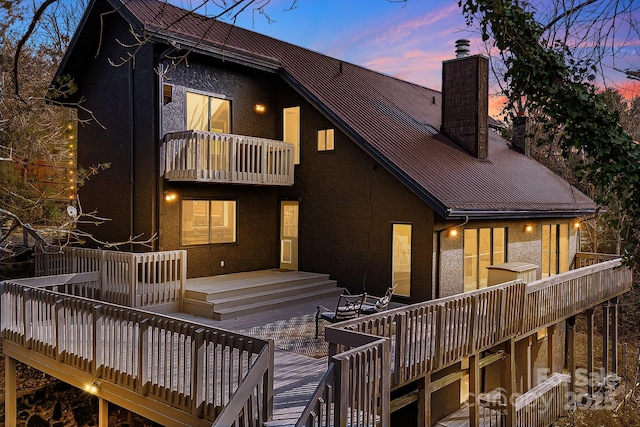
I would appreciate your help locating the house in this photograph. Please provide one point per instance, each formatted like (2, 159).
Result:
(383, 170)
(250, 153)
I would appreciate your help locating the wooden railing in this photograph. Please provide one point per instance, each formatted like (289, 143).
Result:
(192, 367)
(125, 278)
(545, 403)
(430, 336)
(217, 157)
(585, 259)
(356, 388)
(550, 300)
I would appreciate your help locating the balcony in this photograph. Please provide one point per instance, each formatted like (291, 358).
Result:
(199, 156)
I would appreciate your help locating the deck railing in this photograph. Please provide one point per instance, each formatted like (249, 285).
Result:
(125, 278)
(192, 367)
(430, 336)
(545, 403)
(550, 300)
(217, 157)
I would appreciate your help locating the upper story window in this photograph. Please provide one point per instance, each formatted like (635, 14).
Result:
(206, 222)
(555, 249)
(482, 247)
(208, 113)
(325, 140)
(291, 130)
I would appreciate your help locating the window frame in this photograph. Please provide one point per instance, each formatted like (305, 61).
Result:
(476, 256)
(558, 236)
(325, 140)
(209, 97)
(209, 226)
(399, 289)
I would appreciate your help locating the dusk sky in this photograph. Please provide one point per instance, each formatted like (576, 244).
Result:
(406, 40)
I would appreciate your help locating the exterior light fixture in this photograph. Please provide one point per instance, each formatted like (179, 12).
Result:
(576, 225)
(528, 228)
(260, 108)
(169, 196)
(453, 232)
(92, 388)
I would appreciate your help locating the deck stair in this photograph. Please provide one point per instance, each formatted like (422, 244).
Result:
(240, 294)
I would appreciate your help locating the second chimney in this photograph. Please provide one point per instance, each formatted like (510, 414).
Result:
(465, 100)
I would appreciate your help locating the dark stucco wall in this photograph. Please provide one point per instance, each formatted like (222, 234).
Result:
(121, 99)
(348, 202)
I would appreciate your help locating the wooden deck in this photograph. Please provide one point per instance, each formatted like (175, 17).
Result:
(295, 376)
(229, 296)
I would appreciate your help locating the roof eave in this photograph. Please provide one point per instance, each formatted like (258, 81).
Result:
(517, 214)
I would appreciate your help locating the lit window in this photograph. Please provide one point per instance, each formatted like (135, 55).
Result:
(401, 259)
(208, 222)
(208, 113)
(291, 131)
(325, 140)
(555, 249)
(482, 247)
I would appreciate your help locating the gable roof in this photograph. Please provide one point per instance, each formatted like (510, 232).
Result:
(395, 121)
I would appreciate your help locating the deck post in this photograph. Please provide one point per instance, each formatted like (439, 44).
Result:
(614, 335)
(103, 412)
(571, 350)
(10, 396)
(474, 391)
(590, 365)
(605, 338)
(510, 383)
(424, 401)
(550, 350)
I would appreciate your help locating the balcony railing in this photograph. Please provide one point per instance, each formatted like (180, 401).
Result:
(217, 157)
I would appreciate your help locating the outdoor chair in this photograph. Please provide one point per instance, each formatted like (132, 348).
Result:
(373, 304)
(348, 307)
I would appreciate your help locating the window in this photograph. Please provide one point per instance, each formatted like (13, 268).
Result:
(482, 247)
(401, 259)
(325, 140)
(208, 113)
(555, 249)
(291, 131)
(208, 221)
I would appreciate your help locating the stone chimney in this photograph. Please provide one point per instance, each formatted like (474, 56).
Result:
(465, 100)
(519, 139)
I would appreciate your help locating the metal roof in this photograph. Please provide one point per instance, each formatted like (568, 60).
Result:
(397, 122)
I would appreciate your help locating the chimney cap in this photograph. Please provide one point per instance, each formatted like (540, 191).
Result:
(462, 48)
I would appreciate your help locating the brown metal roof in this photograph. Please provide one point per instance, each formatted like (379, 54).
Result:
(396, 121)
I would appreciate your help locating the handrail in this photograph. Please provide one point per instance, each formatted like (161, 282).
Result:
(434, 334)
(193, 367)
(319, 409)
(195, 155)
(126, 278)
(429, 336)
(558, 297)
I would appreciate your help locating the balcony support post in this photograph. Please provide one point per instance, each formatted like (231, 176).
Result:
(510, 383)
(614, 335)
(571, 351)
(590, 363)
(551, 330)
(474, 390)
(605, 338)
(424, 401)
(10, 387)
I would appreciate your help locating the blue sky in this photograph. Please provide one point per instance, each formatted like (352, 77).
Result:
(408, 40)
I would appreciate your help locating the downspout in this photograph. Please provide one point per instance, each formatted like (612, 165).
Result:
(131, 155)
